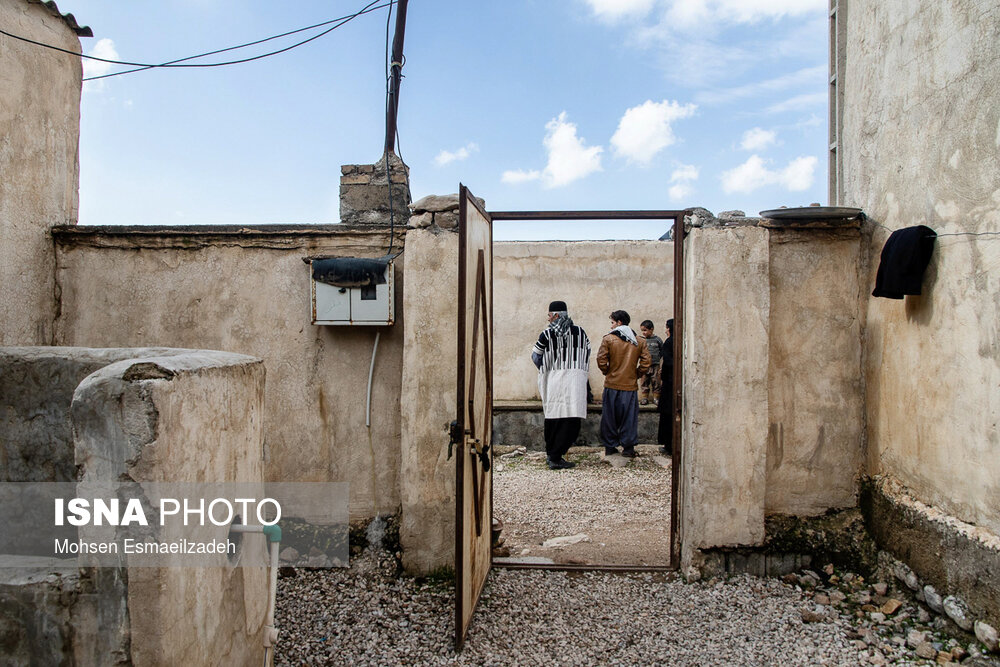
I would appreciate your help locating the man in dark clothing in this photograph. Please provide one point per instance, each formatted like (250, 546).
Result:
(562, 356)
(622, 357)
(665, 432)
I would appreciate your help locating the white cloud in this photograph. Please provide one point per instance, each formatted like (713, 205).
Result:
(446, 157)
(692, 13)
(807, 76)
(685, 172)
(800, 103)
(613, 10)
(681, 179)
(645, 130)
(569, 158)
(104, 48)
(516, 176)
(680, 192)
(757, 139)
(754, 174)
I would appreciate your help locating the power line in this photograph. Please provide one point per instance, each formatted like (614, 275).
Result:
(181, 62)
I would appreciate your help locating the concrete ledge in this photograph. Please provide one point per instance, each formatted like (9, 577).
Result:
(956, 558)
(521, 423)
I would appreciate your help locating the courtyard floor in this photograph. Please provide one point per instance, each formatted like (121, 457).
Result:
(369, 614)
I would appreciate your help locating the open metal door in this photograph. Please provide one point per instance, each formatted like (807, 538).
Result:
(473, 427)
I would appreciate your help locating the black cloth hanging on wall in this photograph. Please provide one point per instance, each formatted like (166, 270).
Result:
(905, 256)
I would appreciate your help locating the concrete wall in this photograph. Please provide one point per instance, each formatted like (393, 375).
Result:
(247, 291)
(921, 145)
(725, 359)
(593, 278)
(36, 390)
(430, 370)
(814, 387)
(193, 417)
(39, 166)
(142, 415)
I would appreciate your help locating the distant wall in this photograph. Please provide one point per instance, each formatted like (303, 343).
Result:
(39, 165)
(246, 290)
(593, 278)
(921, 145)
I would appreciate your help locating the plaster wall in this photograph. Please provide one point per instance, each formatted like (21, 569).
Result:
(192, 417)
(427, 475)
(725, 359)
(39, 165)
(593, 278)
(246, 290)
(921, 145)
(814, 387)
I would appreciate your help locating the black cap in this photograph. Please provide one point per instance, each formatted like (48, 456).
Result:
(557, 307)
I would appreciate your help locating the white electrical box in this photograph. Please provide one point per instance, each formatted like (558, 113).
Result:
(351, 291)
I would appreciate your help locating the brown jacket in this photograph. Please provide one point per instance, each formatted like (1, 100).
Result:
(622, 362)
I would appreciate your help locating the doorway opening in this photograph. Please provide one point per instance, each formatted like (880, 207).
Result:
(609, 512)
(472, 431)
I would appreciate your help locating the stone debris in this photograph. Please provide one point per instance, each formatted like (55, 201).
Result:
(559, 542)
(958, 611)
(987, 635)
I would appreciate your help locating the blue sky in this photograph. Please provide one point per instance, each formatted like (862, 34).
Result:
(533, 104)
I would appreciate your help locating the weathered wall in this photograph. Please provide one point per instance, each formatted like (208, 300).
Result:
(725, 359)
(192, 417)
(427, 475)
(593, 278)
(814, 388)
(246, 290)
(39, 166)
(921, 145)
(36, 389)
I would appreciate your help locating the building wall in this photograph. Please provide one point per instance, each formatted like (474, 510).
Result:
(725, 362)
(814, 387)
(39, 165)
(247, 291)
(593, 278)
(921, 145)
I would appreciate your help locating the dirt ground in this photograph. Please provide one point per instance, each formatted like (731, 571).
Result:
(618, 509)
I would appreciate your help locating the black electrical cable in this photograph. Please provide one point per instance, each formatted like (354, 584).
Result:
(340, 21)
(178, 63)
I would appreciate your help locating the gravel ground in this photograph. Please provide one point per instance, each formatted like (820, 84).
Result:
(369, 615)
(533, 617)
(366, 615)
(624, 512)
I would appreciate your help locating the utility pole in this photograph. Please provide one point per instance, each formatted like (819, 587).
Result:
(392, 105)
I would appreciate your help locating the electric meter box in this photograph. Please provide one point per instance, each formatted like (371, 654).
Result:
(351, 291)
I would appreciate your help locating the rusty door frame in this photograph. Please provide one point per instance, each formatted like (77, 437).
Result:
(675, 460)
(483, 524)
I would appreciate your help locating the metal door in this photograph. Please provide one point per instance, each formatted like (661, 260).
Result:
(473, 427)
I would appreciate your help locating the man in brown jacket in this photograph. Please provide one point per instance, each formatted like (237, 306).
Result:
(623, 358)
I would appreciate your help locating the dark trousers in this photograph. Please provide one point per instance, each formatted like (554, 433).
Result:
(665, 432)
(559, 435)
(619, 418)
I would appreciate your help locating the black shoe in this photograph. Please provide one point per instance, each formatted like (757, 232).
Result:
(608, 451)
(566, 465)
(561, 464)
(665, 451)
(629, 453)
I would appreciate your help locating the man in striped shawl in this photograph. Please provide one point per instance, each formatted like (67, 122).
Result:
(562, 355)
